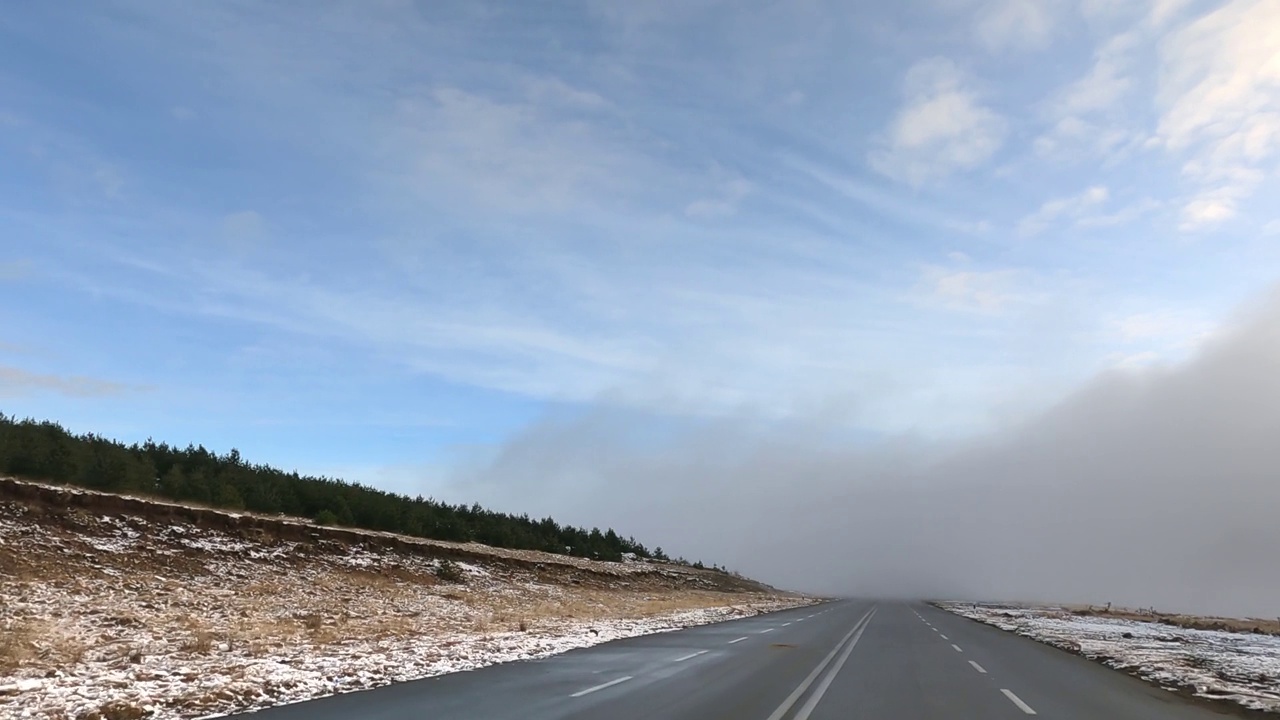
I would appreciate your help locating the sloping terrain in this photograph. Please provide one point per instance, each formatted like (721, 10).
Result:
(114, 607)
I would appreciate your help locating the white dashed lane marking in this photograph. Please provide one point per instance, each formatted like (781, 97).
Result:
(1018, 701)
(690, 656)
(609, 684)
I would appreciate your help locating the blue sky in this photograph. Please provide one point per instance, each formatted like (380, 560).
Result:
(378, 239)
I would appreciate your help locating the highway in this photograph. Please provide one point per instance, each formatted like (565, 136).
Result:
(840, 660)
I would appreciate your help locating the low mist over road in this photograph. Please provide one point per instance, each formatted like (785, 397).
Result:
(1146, 486)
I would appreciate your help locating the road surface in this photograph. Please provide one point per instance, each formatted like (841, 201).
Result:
(846, 659)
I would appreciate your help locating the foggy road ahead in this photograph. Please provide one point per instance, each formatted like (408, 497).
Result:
(852, 658)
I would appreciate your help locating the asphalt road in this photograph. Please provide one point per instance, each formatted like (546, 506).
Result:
(847, 659)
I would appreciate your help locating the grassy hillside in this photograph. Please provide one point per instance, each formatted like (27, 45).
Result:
(48, 452)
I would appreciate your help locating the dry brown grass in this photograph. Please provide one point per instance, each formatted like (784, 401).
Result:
(481, 622)
(1189, 622)
(158, 599)
(16, 647)
(115, 711)
(165, 597)
(200, 639)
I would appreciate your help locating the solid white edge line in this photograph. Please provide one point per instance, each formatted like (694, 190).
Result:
(609, 684)
(1018, 701)
(744, 637)
(690, 656)
(977, 667)
(957, 647)
(785, 707)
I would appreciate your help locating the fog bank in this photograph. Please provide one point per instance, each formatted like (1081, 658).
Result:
(1143, 487)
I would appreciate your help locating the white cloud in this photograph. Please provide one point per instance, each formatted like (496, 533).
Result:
(969, 227)
(1016, 24)
(1087, 114)
(1272, 228)
(1162, 11)
(16, 382)
(1159, 325)
(971, 290)
(531, 153)
(723, 204)
(1071, 136)
(1133, 361)
(1104, 15)
(1072, 207)
(941, 129)
(1165, 335)
(1123, 215)
(1208, 209)
(874, 196)
(1106, 83)
(554, 91)
(1219, 86)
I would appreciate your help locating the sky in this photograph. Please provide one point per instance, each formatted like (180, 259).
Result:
(628, 262)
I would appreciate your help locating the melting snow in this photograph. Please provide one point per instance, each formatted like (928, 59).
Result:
(181, 621)
(1235, 666)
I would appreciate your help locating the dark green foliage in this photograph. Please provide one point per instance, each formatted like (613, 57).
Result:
(45, 451)
(450, 571)
(326, 517)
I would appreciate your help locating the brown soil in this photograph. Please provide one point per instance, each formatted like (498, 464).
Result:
(1257, 626)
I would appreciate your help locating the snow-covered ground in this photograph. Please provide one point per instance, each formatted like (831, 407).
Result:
(121, 616)
(1232, 666)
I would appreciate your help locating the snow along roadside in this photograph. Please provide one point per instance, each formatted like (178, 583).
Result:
(1237, 667)
(238, 682)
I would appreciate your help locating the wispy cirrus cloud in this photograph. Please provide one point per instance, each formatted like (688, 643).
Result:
(723, 203)
(1072, 207)
(1003, 25)
(695, 210)
(1218, 93)
(941, 128)
(17, 382)
(989, 291)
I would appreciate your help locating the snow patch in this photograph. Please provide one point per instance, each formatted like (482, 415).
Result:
(1239, 667)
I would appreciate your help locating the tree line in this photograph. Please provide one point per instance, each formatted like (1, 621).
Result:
(43, 450)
